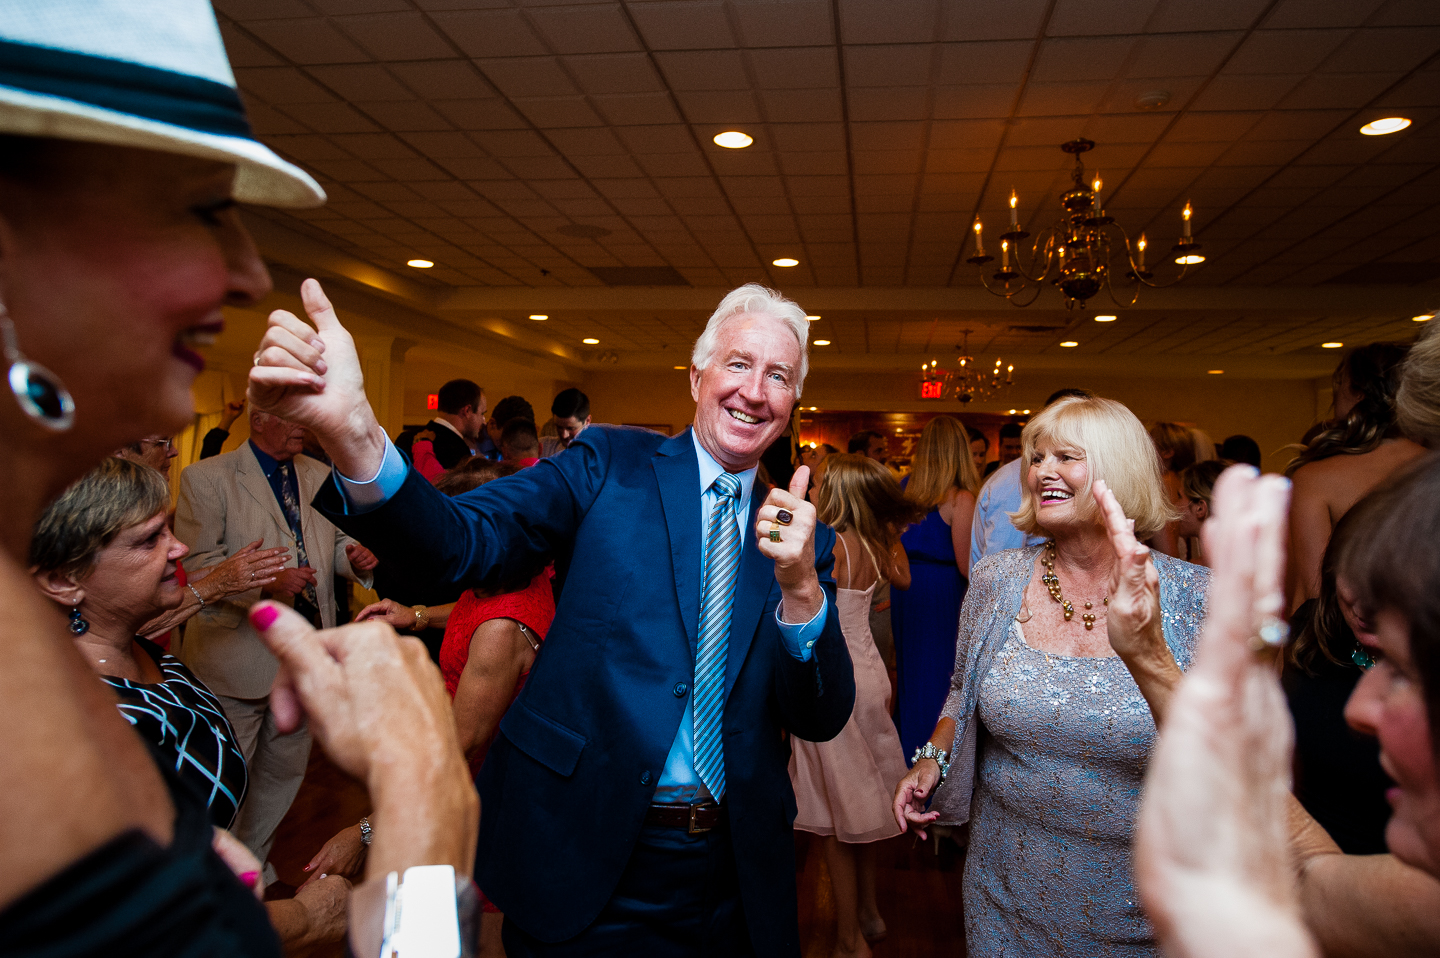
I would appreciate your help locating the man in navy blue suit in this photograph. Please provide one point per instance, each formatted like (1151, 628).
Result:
(636, 800)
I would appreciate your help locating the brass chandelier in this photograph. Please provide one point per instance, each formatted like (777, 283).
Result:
(968, 381)
(1075, 254)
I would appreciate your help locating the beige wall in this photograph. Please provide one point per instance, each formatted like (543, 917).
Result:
(1275, 412)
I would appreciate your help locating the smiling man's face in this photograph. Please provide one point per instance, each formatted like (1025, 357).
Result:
(743, 398)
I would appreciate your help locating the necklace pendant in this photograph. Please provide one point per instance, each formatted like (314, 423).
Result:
(1089, 621)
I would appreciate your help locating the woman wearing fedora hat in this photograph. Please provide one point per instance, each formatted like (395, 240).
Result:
(124, 149)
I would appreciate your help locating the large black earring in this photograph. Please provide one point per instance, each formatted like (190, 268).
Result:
(78, 625)
(40, 393)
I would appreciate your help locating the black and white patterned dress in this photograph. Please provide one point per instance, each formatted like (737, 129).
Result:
(183, 720)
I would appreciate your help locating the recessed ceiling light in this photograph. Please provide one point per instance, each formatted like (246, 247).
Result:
(1105, 319)
(539, 316)
(589, 341)
(733, 140)
(419, 263)
(1190, 259)
(682, 367)
(1331, 345)
(786, 261)
(1025, 411)
(1422, 318)
(1010, 413)
(813, 319)
(1069, 342)
(1391, 124)
(814, 409)
(821, 342)
(1215, 372)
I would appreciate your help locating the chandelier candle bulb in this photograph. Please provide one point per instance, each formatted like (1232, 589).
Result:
(1005, 254)
(1095, 187)
(1141, 245)
(979, 240)
(1185, 215)
(1014, 213)
(1009, 371)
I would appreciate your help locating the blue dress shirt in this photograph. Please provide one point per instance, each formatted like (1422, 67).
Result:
(991, 530)
(678, 781)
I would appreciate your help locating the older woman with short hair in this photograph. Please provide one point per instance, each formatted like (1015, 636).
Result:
(1067, 656)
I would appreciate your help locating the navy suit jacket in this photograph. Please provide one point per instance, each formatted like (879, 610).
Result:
(565, 786)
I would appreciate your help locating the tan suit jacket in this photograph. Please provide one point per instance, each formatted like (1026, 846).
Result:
(225, 504)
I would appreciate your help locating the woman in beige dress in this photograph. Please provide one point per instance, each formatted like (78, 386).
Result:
(841, 786)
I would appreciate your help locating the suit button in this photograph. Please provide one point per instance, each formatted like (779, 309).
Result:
(644, 778)
(680, 689)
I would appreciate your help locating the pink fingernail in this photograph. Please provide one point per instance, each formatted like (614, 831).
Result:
(264, 617)
(250, 879)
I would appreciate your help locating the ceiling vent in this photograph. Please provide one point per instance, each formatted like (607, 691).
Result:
(638, 275)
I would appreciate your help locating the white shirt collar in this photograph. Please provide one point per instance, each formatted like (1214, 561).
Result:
(451, 426)
(710, 470)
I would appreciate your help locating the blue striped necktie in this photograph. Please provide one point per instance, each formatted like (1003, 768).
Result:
(717, 597)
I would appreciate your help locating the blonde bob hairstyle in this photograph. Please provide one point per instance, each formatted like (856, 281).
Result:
(1117, 449)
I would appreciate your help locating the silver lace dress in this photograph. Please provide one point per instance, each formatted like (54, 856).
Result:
(1050, 753)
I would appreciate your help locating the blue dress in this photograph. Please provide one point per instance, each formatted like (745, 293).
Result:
(925, 619)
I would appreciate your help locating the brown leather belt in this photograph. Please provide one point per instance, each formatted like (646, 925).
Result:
(693, 818)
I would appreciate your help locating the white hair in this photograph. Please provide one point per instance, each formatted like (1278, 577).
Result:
(754, 298)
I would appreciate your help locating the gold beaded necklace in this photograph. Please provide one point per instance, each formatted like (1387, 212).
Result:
(1051, 582)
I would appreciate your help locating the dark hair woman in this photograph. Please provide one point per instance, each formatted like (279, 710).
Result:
(1361, 448)
(120, 245)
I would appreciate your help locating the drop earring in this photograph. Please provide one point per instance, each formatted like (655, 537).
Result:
(40, 393)
(78, 625)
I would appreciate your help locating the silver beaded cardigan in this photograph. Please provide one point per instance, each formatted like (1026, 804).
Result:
(993, 600)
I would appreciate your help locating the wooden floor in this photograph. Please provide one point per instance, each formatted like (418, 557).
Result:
(918, 890)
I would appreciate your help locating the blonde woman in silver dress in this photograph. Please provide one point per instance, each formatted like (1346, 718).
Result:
(1067, 657)
(841, 786)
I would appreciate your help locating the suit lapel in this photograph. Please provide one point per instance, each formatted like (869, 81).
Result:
(752, 589)
(253, 481)
(678, 473)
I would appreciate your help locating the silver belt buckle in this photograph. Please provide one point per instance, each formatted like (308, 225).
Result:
(695, 829)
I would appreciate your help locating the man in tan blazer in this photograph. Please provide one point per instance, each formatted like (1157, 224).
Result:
(261, 491)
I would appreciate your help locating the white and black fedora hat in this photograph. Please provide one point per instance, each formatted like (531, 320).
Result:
(149, 74)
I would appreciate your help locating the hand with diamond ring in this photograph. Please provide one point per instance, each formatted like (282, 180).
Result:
(1132, 613)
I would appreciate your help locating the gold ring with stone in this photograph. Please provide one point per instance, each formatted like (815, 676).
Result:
(775, 532)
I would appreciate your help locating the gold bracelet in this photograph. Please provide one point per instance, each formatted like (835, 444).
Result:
(422, 619)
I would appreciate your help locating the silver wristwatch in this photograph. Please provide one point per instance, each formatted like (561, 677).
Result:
(941, 757)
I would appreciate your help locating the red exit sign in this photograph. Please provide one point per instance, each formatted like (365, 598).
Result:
(432, 401)
(932, 390)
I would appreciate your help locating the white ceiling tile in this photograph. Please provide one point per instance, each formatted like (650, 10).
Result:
(376, 146)
(889, 104)
(511, 143)
(1302, 14)
(887, 162)
(615, 73)
(974, 101)
(586, 29)
(886, 136)
(443, 79)
(308, 41)
(992, 62)
(1124, 95)
(489, 114)
(588, 142)
(683, 24)
(1067, 60)
(1337, 90)
(958, 161)
(636, 109)
(704, 70)
(686, 165)
(1215, 127)
(1285, 51)
(1098, 17)
(719, 106)
(490, 33)
(657, 139)
(783, 23)
(1052, 99)
(807, 137)
(1405, 13)
(404, 115)
(557, 111)
(243, 51)
(1267, 152)
(1251, 92)
(396, 36)
(1198, 54)
(329, 117)
(528, 76)
(801, 106)
(281, 85)
(800, 163)
(966, 134)
(1384, 50)
(367, 81)
(893, 21)
(889, 65)
(794, 68)
(1184, 16)
(1298, 124)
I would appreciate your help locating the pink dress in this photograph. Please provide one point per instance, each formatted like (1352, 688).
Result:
(844, 787)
